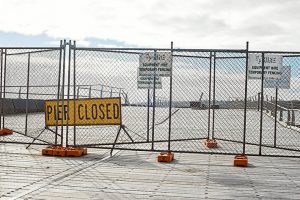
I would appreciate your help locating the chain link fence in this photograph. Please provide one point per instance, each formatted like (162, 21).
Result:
(29, 76)
(209, 95)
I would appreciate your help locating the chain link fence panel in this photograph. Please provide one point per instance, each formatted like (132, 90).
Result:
(203, 99)
(29, 77)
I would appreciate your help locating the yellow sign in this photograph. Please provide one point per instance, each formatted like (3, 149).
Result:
(105, 111)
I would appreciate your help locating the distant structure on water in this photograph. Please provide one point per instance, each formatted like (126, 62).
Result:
(199, 105)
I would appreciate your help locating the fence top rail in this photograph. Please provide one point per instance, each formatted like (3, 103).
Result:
(71, 85)
(120, 49)
(276, 52)
(159, 49)
(153, 49)
(32, 52)
(50, 48)
(182, 50)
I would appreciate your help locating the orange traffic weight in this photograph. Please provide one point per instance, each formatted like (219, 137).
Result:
(167, 156)
(6, 131)
(240, 160)
(211, 143)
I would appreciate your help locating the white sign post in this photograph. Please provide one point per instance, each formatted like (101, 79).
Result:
(272, 66)
(158, 64)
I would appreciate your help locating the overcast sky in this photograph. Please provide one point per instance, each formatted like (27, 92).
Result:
(266, 24)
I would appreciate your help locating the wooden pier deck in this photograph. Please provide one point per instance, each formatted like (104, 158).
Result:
(26, 174)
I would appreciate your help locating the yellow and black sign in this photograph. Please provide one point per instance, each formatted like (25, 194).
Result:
(105, 111)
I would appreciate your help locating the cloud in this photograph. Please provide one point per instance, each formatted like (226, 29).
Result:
(143, 23)
(8, 39)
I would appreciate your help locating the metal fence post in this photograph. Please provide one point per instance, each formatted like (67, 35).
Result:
(27, 94)
(1, 80)
(275, 119)
(261, 102)
(20, 91)
(258, 101)
(209, 95)
(153, 104)
(63, 92)
(74, 89)
(101, 92)
(90, 92)
(58, 89)
(68, 94)
(148, 114)
(78, 92)
(4, 89)
(245, 99)
(170, 100)
(214, 99)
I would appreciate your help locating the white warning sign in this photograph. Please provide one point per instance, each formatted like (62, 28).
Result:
(283, 83)
(158, 64)
(272, 66)
(147, 82)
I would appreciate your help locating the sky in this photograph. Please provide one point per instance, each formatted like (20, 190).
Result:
(205, 24)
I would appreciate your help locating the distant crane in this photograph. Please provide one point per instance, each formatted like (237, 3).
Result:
(198, 104)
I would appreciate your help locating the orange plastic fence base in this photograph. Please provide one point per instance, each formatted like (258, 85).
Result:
(211, 143)
(60, 151)
(165, 157)
(76, 152)
(47, 152)
(6, 131)
(63, 151)
(240, 160)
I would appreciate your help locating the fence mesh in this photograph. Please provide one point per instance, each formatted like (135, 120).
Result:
(207, 88)
(29, 77)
